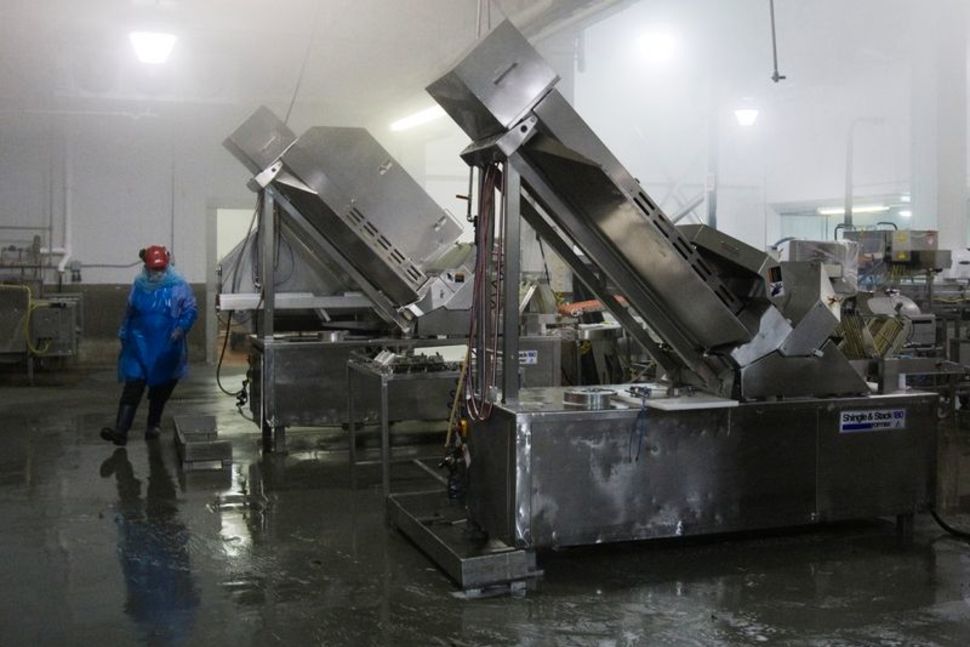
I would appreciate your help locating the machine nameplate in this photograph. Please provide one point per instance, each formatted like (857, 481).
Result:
(872, 420)
(528, 357)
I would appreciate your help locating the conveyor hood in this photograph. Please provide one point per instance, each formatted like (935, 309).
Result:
(712, 305)
(364, 209)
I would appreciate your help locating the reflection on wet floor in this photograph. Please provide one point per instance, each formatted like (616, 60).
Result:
(121, 547)
(162, 598)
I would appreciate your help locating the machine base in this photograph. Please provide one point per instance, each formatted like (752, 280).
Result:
(545, 476)
(442, 531)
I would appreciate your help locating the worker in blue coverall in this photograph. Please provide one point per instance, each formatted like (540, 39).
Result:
(161, 311)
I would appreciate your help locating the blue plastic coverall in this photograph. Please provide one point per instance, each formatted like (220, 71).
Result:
(160, 314)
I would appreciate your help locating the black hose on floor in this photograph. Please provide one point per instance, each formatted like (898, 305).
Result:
(961, 534)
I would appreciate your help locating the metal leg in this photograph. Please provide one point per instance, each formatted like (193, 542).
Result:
(267, 432)
(385, 442)
(512, 199)
(904, 530)
(279, 439)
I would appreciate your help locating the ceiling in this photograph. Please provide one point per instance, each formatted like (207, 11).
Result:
(62, 56)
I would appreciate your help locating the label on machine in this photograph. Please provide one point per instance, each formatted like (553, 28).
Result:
(528, 357)
(872, 420)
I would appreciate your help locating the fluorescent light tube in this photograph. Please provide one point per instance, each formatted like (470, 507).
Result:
(418, 118)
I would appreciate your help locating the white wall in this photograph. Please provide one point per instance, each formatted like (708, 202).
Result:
(135, 182)
(658, 116)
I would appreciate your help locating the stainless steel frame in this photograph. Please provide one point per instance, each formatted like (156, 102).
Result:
(360, 375)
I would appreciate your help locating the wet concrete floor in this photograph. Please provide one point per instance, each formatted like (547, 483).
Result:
(110, 547)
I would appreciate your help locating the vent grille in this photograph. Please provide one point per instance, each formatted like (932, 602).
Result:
(686, 251)
(382, 246)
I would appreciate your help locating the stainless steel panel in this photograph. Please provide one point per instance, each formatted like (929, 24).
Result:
(491, 90)
(829, 373)
(877, 472)
(697, 473)
(260, 140)
(492, 474)
(55, 325)
(811, 304)
(327, 208)
(741, 254)
(544, 477)
(359, 179)
(381, 301)
(308, 384)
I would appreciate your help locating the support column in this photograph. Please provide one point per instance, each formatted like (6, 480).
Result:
(511, 212)
(267, 276)
(274, 439)
(939, 122)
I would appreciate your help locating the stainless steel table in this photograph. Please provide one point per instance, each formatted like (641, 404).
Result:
(389, 384)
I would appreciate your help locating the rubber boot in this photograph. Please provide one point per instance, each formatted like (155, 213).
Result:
(153, 429)
(119, 435)
(157, 398)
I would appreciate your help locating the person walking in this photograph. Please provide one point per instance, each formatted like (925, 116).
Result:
(154, 354)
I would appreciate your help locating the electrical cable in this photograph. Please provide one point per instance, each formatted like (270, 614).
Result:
(222, 356)
(484, 315)
(306, 59)
(241, 395)
(639, 426)
(959, 534)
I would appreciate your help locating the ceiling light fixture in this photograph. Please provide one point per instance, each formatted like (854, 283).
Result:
(418, 118)
(905, 213)
(838, 211)
(152, 47)
(746, 116)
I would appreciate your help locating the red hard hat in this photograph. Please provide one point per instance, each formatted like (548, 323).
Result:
(155, 257)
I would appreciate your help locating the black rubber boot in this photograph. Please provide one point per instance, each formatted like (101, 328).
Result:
(153, 428)
(119, 435)
(157, 397)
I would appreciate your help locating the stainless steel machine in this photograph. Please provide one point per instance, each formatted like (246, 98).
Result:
(754, 418)
(368, 240)
(35, 326)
